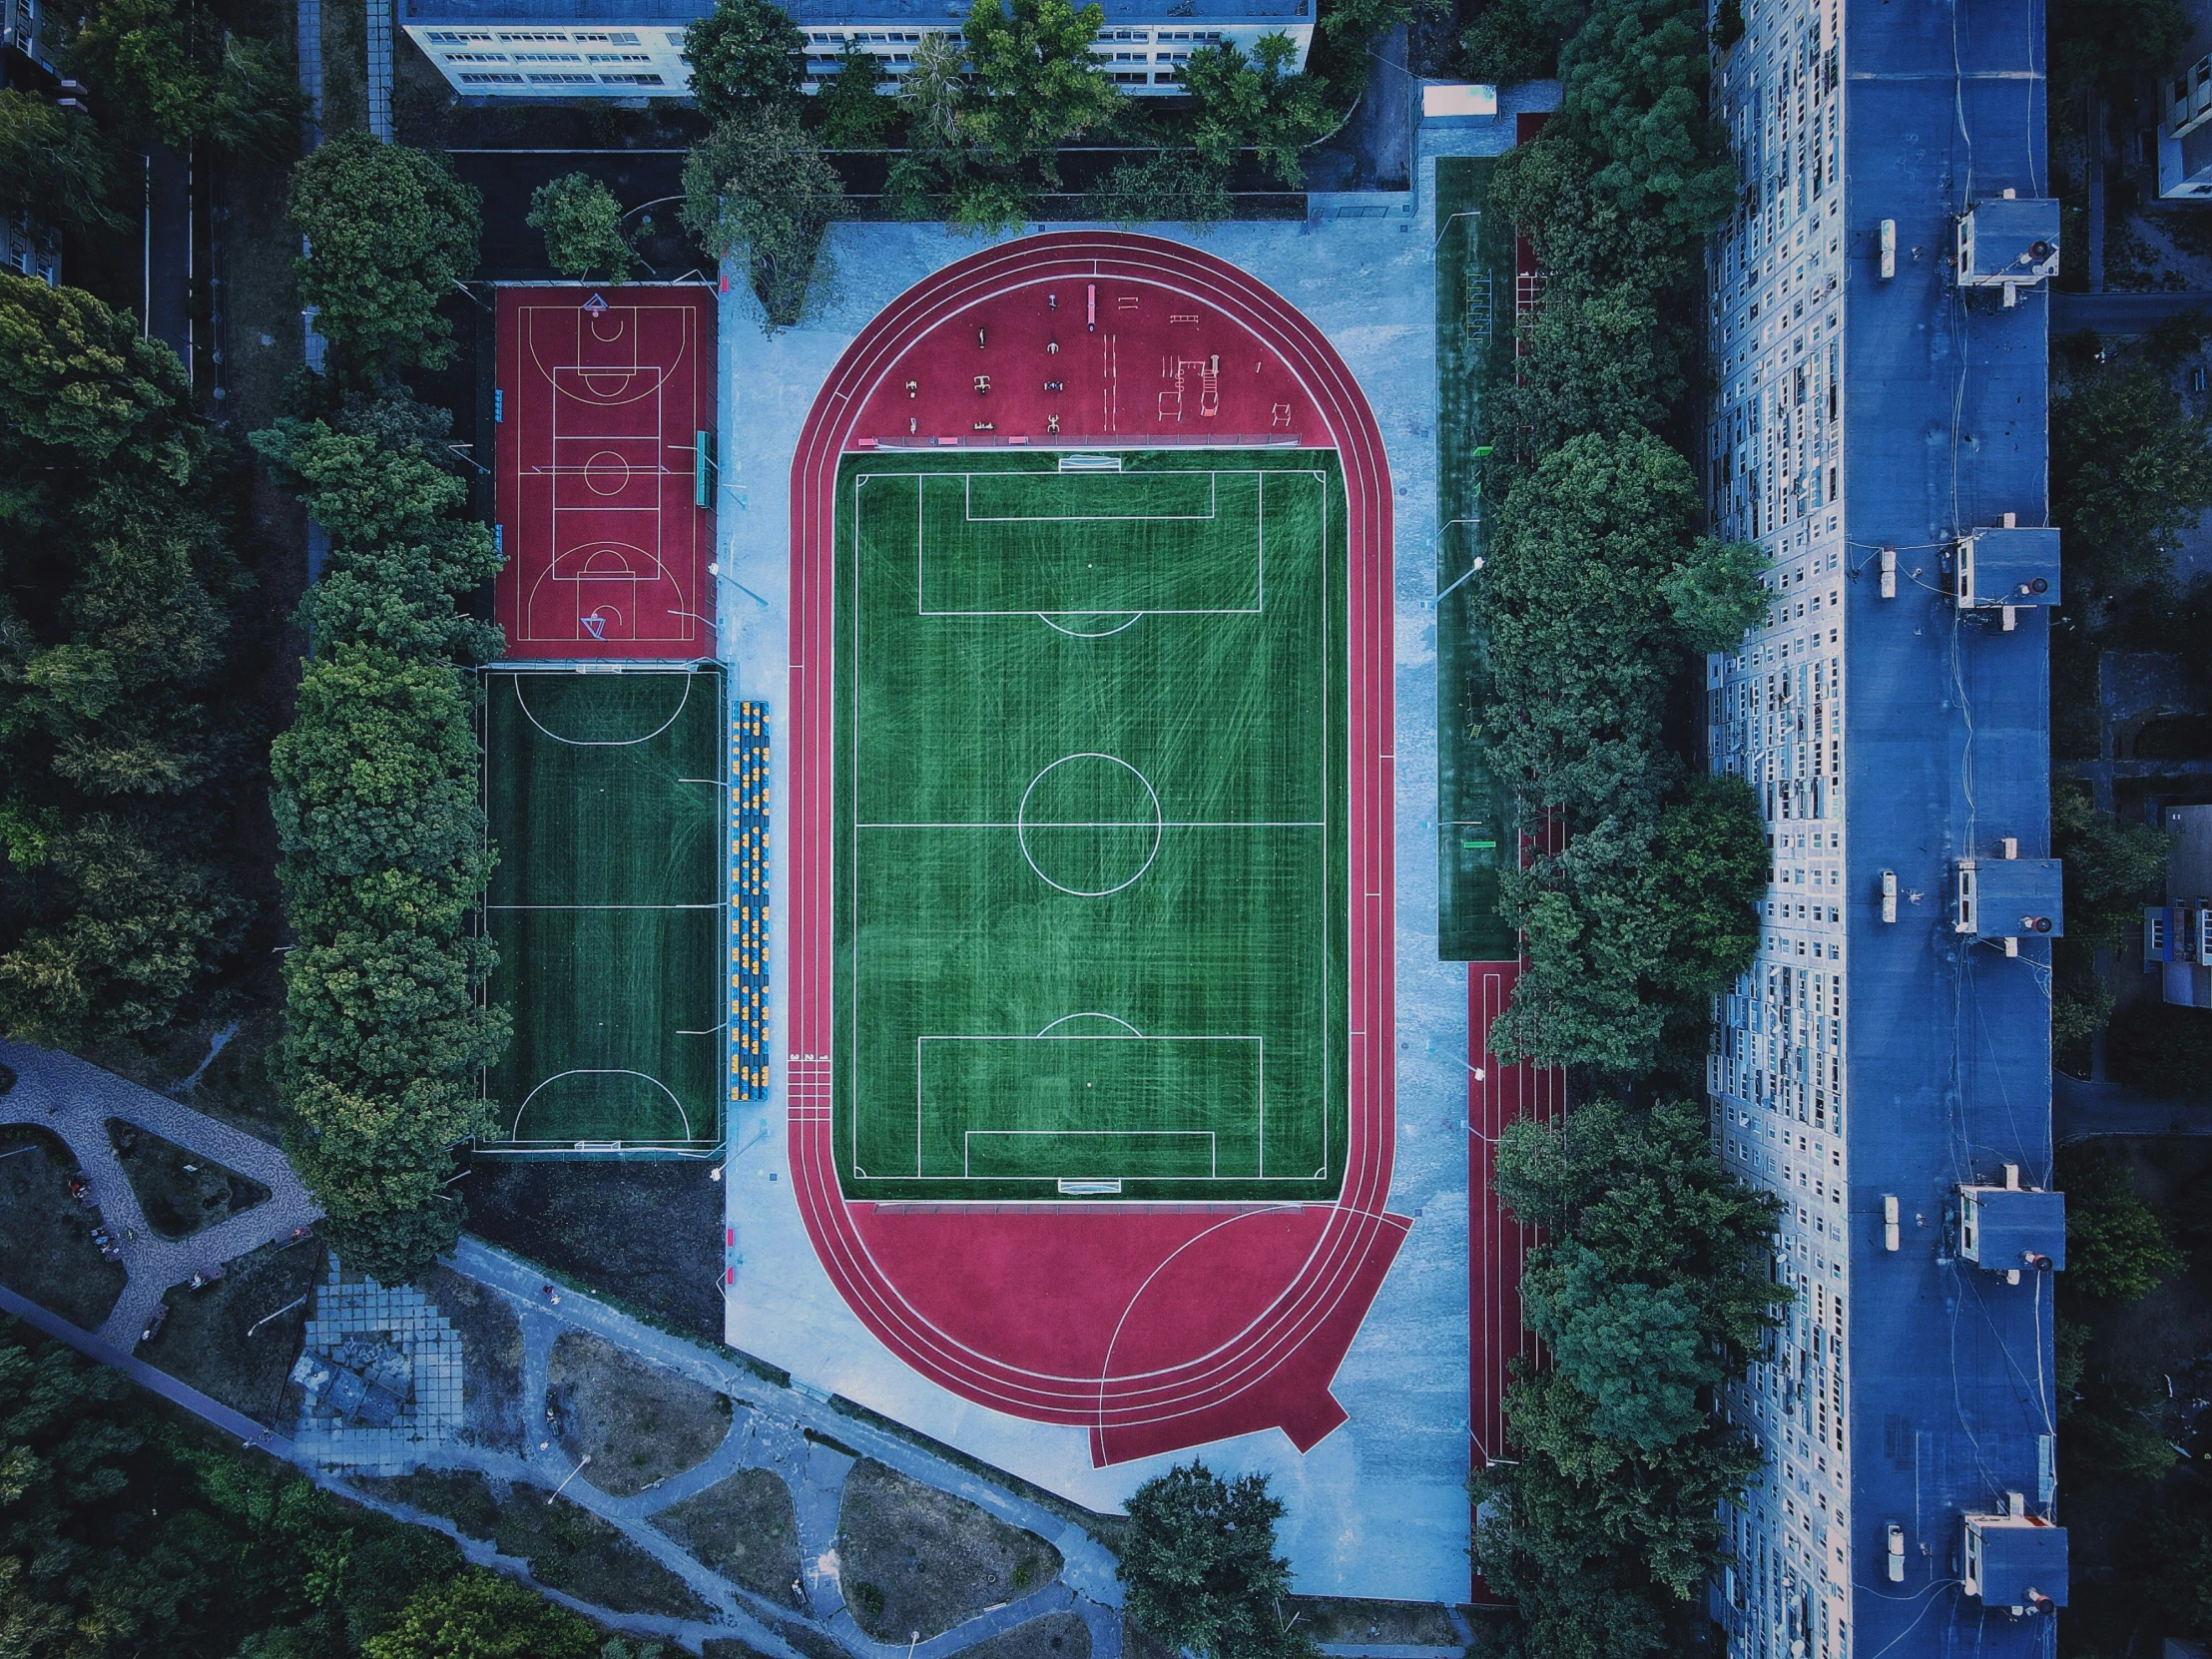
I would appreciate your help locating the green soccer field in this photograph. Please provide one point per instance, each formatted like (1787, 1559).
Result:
(1090, 844)
(604, 798)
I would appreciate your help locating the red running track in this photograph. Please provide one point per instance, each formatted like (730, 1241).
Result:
(603, 393)
(1155, 1327)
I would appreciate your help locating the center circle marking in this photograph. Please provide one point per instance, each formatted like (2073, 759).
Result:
(1092, 850)
(606, 473)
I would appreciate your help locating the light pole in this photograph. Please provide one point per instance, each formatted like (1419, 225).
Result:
(266, 1318)
(563, 1486)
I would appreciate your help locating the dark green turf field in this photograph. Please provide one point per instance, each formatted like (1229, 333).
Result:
(605, 801)
(1090, 857)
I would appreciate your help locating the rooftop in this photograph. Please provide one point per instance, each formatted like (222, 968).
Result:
(815, 13)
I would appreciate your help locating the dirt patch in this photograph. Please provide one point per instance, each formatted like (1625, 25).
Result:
(1394, 1623)
(491, 1358)
(223, 1340)
(809, 1641)
(648, 1235)
(46, 1248)
(180, 1191)
(914, 1558)
(637, 1423)
(746, 1530)
(1055, 1636)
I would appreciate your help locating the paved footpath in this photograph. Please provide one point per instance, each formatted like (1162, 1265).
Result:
(773, 1428)
(63, 1094)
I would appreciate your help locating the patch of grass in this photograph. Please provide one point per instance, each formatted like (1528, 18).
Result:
(46, 1248)
(1055, 1636)
(645, 1234)
(570, 1548)
(809, 1641)
(206, 1341)
(746, 1530)
(180, 1191)
(637, 1422)
(238, 1087)
(491, 1358)
(936, 1559)
(462, 1496)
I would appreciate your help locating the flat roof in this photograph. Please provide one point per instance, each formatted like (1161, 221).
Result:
(818, 14)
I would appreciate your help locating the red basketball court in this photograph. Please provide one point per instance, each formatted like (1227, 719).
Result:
(605, 417)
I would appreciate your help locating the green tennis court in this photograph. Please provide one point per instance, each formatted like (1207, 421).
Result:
(604, 794)
(1090, 867)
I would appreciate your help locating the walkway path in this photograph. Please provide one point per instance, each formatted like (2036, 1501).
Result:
(63, 1094)
(2082, 1110)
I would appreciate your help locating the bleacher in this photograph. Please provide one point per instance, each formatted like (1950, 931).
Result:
(748, 787)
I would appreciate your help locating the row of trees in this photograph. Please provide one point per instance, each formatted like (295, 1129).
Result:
(127, 738)
(1653, 1287)
(982, 116)
(376, 799)
(122, 1533)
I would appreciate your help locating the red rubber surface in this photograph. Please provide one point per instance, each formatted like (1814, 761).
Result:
(596, 460)
(1155, 1327)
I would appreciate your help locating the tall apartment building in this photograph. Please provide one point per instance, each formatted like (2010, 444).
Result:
(1879, 329)
(540, 49)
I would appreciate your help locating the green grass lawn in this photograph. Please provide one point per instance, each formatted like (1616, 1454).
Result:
(1090, 864)
(605, 800)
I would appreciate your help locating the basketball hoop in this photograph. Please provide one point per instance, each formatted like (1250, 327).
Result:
(595, 306)
(596, 626)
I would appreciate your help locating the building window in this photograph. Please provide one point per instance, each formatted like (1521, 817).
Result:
(477, 79)
(632, 80)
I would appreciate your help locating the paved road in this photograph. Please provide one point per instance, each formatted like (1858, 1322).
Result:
(2123, 313)
(63, 1094)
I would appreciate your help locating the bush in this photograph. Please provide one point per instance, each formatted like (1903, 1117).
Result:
(581, 224)
(1173, 186)
(853, 108)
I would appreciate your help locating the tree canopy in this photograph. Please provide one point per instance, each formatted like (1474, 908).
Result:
(758, 187)
(1252, 103)
(1036, 82)
(743, 54)
(582, 225)
(1201, 1570)
(124, 738)
(163, 74)
(853, 108)
(1650, 1289)
(389, 230)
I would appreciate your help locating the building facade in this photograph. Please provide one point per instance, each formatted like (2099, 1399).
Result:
(1878, 332)
(541, 49)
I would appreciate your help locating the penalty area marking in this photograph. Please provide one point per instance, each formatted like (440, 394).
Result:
(605, 743)
(514, 1129)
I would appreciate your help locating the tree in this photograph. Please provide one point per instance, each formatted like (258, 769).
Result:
(123, 739)
(1714, 862)
(2132, 469)
(2112, 869)
(1201, 1570)
(581, 224)
(2118, 42)
(1516, 40)
(165, 78)
(2117, 1249)
(1250, 103)
(1579, 549)
(1717, 593)
(1634, 90)
(389, 233)
(1590, 358)
(1038, 80)
(53, 170)
(759, 186)
(744, 54)
(1650, 1287)
(479, 1615)
(1174, 185)
(853, 111)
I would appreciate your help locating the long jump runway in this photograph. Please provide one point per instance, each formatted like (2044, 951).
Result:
(1156, 1326)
